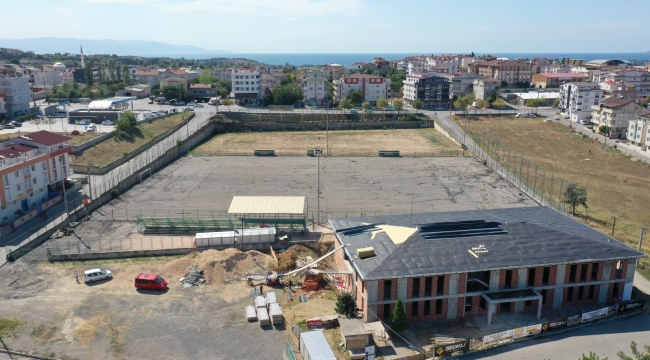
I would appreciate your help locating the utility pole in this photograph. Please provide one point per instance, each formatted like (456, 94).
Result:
(327, 115)
(318, 151)
(131, 85)
(412, 205)
(640, 243)
(65, 202)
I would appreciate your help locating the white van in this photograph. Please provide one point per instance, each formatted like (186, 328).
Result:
(97, 274)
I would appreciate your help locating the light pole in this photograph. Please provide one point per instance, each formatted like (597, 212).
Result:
(318, 151)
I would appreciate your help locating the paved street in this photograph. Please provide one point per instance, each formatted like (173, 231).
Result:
(604, 339)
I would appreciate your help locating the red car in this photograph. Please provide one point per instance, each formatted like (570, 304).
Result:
(150, 282)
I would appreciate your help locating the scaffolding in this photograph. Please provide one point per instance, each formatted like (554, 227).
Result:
(285, 223)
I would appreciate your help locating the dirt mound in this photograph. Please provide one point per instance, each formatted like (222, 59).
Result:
(287, 260)
(179, 267)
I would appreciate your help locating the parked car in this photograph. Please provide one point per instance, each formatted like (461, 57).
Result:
(96, 274)
(16, 124)
(107, 122)
(91, 128)
(439, 108)
(9, 126)
(584, 122)
(189, 108)
(556, 118)
(150, 102)
(389, 108)
(181, 103)
(135, 98)
(84, 122)
(199, 105)
(2, 126)
(548, 120)
(150, 282)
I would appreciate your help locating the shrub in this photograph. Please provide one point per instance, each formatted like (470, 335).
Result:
(346, 305)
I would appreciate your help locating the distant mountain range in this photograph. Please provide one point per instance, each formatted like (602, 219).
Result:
(51, 45)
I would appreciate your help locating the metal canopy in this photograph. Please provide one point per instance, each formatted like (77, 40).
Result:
(495, 297)
(267, 205)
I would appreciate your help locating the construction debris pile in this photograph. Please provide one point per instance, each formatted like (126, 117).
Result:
(194, 277)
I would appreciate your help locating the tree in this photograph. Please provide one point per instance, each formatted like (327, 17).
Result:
(464, 101)
(556, 103)
(330, 91)
(156, 92)
(14, 61)
(122, 126)
(88, 73)
(174, 91)
(126, 78)
(604, 130)
(575, 196)
(382, 103)
(504, 84)
(355, 97)
(532, 103)
(493, 97)
(398, 319)
(365, 105)
(287, 94)
(346, 305)
(130, 118)
(417, 105)
(398, 104)
(645, 355)
(591, 356)
(482, 103)
(207, 78)
(346, 104)
(227, 102)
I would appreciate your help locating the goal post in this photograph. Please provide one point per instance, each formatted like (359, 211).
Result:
(144, 174)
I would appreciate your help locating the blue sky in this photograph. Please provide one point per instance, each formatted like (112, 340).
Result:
(340, 26)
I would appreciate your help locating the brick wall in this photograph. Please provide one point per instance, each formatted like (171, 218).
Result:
(380, 290)
(462, 283)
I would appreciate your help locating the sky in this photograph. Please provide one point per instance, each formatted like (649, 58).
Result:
(344, 26)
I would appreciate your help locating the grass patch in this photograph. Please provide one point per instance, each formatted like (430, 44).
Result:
(115, 148)
(43, 332)
(303, 325)
(616, 184)
(10, 327)
(82, 137)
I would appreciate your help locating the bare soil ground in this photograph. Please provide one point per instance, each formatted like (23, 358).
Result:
(613, 181)
(340, 142)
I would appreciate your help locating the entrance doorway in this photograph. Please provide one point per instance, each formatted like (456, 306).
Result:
(506, 307)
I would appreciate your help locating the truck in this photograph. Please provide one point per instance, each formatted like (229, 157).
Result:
(160, 99)
(213, 101)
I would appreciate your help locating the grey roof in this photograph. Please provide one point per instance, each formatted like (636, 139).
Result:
(317, 345)
(351, 327)
(531, 236)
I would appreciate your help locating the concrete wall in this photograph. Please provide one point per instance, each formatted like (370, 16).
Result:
(76, 149)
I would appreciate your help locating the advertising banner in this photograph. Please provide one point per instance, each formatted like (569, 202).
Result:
(630, 306)
(554, 325)
(594, 315)
(498, 338)
(573, 320)
(443, 350)
(527, 331)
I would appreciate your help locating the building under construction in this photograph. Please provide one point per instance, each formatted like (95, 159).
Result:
(288, 214)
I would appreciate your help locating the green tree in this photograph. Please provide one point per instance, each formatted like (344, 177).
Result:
(122, 126)
(575, 196)
(207, 78)
(345, 104)
(287, 94)
(126, 78)
(101, 73)
(604, 130)
(398, 104)
(398, 319)
(556, 103)
(366, 105)
(174, 91)
(464, 101)
(504, 84)
(346, 305)
(532, 103)
(88, 73)
(644, 355)
(330, 91)
(417, 105)
(227, 102)
(482, 103)
(382, 103)
(493, 97)
(130, 118)
(355, 97)
(156, 92)
(591, 356)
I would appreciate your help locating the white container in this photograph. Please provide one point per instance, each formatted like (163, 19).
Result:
(251, 314)
(260, 302)
(275, 312)
(271, 298)
(263, 316)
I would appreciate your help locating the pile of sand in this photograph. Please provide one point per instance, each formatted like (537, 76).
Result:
(219, 266)
(287, 260)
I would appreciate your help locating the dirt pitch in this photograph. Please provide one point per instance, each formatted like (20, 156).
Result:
(614, 182)
(340, 142)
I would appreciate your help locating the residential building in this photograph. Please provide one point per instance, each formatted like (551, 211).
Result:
(174, 81)
(3, 106)
(433, 90)
(314, 91)
(203, 91)
(453, 265)
(378, 63)
(334, 71)
(538, 64)
(638, 132)
(448, 63)
(639, 78)
(461, 83)
(223, 74)
(47, 78)
(484, 86)
(320, 72)
(246, 85)
(149, 77)
(356, 67)
(181, 73)
(573, 62)
(555, 68)
(140, 91)
(554, 80)
(544, 98)
(372, 87)
(17, 95)
(30, 166)
(134, 69)
(577, 98)
(620, 89)
(511, 72)
(616, 114)
(614, 62)
(593, 72)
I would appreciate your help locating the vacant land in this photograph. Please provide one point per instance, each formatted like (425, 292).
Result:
(115, 148)
(341, 142)
(616, 184)
(349, 186)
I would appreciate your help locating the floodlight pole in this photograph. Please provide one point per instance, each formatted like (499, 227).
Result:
(318, 151)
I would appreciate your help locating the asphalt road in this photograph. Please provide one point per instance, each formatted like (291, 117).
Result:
(604, 339)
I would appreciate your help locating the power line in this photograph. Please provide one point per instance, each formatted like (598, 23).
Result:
(399, 336)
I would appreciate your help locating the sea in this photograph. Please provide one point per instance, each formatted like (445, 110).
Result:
(346, 59)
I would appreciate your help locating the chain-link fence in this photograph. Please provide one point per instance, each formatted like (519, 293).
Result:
(322, 116)
(334, 152)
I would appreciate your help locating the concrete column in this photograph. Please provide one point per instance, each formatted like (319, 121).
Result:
(402, 288)
(631, 267)
(559, 289)
(539, 309)
(519, 306)
(494, 280)
(490, 306)
(627, 291)
(452, 303)
(522, 276)
(372, 287)
(607, 270)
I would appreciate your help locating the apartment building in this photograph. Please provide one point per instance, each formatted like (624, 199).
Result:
(174, 81)
(452, 265)
(554, 80)
(639, 78)
(616, 113)
(246, 85)
(576, 99)
(638, 132)
(618, 89)
(593, 72)
(511, 72)
(17, 95)
(433, 90)
(47, 78)
(314, 91)
(484, 86)
(203, 92)
(30, 167)
(223, 74)
(372, 87)
(461, 83)
(3, 106)
(451, 63)
(334, 71)
(149, 77)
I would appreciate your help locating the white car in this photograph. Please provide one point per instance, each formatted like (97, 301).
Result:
(584, 122)
(97, 274)
(107, 122)
(199, 105)
(91, 128)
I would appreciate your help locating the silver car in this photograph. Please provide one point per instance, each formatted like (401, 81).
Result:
(97, 274)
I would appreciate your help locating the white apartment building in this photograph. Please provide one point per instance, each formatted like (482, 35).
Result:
(638, 132)
(246, 85)
(372, 87)
(47, 78)
(314, 91)
(593, 73)
(635, 76)
(30, 166)
(414, 67)
(616, 113)
(18, 95)
(576, 99)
